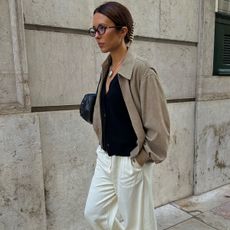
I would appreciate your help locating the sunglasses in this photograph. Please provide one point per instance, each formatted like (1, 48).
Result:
(101, 29)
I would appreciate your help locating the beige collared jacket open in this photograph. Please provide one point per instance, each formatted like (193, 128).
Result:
(146, 105)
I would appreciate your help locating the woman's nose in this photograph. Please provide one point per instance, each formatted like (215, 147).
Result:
(97, 35)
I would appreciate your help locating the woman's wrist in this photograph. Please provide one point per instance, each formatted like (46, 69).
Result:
(139, 160)
(135, 163)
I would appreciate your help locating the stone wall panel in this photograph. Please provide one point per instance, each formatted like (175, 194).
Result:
(179, 19)
(175, 64)
(213, 88)
(212, 158)
(75, 64)
(68, 14)
(61, 67)
(7, 88)
(173, 179)
(69, 152)
(22, 205)
(6, 57)
(158, 19)
(14, 92)
(206, 38)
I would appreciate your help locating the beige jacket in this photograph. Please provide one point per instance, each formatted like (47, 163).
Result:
(146, 105)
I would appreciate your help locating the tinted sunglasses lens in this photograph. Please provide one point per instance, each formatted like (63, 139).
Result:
(101, 29)
(92, 32)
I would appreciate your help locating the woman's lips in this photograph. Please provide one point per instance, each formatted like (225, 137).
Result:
(100, 44)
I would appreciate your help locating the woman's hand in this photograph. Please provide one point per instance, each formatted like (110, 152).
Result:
(138, 161)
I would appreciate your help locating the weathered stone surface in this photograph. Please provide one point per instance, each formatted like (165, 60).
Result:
(7, 78)
(211, 208)
(219, 217)
(61, 66)
(69, 152)
(79, 14)
(169, 215)
(206, 38)
(175, 174)
(213, 88)
(13, 66)
(198, 204)
(6, 57)
(22, 204)
(7, 88)
(212, 158)
(223, 6)
(179, 19)
(191, 224)
(70, 14)
(175, 64)
(75, 64)
(159, 19)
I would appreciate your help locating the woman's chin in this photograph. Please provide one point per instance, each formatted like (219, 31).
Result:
(104, 50)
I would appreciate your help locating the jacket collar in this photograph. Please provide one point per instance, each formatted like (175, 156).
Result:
(127, 66)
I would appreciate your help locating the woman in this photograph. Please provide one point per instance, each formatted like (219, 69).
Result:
(132, 124)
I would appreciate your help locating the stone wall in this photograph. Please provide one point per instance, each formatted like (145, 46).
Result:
(212, 161)
(49, 62)
(14, 91)
(22, 203)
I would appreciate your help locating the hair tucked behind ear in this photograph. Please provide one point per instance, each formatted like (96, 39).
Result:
(120, 15)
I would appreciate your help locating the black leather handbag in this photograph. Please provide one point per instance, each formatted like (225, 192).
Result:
(87, 107)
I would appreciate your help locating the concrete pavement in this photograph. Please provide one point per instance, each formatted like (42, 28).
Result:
(208, 211)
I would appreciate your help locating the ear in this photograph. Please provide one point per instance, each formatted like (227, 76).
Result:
(124, 30)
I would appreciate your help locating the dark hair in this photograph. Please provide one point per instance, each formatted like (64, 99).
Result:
(120, 15)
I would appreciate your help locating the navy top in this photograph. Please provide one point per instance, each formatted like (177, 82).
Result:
(118, 135)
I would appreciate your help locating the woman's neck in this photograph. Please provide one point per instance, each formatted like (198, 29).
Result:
(118, 55)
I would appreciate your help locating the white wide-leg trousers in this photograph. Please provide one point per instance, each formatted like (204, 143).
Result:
(118, 184)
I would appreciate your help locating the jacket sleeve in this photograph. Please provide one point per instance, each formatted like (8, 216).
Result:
(155, 119)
